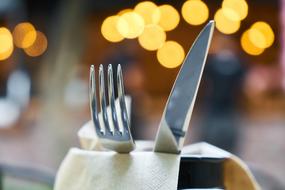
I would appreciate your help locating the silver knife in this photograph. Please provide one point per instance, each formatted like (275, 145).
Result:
(178, 110)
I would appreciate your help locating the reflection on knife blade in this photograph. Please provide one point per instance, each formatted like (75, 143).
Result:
(178, 110)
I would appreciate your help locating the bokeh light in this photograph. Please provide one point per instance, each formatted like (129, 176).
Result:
(169, 17)
(130, 25)
(195, 12)
(6, 54)
(6, 45)
(248, 46)
(171, 54)
(152, 38)
(267, 32)
(148, 10)
(24, 35)
(239, 7)
(231, 14)
(224, 24)
(257, 38)
(38, 47)
(109, 29)
(124, 11)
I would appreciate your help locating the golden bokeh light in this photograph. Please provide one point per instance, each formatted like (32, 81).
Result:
(169, 17)
(6, 40)
(130, 25)
(239, 7)
(248, 46)
(124, 11)
(257, 38)
(171, 54)
(24, 35)
(267, 32)
(152, 38)
(38, 47)
(224, 24)
(6, 45)
(149, 11)
(195, 12)
(231, 14)
(6, 54)
(109, 29)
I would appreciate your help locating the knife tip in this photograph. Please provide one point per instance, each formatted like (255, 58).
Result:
(212, 23)
(211, 26)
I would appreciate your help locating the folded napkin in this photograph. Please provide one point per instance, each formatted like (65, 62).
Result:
(90, 168)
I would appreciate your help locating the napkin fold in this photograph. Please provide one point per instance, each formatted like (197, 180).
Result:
(92, 170)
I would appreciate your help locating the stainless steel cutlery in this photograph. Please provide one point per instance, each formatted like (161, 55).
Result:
(178, 110)
(112, 124)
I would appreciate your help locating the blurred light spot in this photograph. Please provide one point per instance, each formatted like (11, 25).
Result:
(109, 29)
(240, 7)
(9, 113)
(257, 38)
(6, 54)
(38, 47)
(6, 43)
(195, 12)
(171, 54)
(267, 32)
(5, 39)
(248, 46)
(224, 24)
(24, 35)
(169, 17)
(149, 11)
(130, 25)
(19, 87)
(231, 14)
(152, 38)
(124, 11)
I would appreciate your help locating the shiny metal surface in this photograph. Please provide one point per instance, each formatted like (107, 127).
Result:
(112, 122)
(122, 102)
(179, 107)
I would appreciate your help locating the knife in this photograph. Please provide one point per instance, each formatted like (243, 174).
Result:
(178, 110)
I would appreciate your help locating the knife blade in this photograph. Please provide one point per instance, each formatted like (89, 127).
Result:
(178, 110)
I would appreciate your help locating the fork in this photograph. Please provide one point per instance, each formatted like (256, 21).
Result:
(112, 124)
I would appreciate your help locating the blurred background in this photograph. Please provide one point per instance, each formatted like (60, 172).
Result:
(47, 47)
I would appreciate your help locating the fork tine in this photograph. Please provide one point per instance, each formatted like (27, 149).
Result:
(111, 123)
(93, 99)
(121, 95)
(111, 96)
(102, 100)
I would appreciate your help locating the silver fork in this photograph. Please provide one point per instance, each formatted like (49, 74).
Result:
(112, 124)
